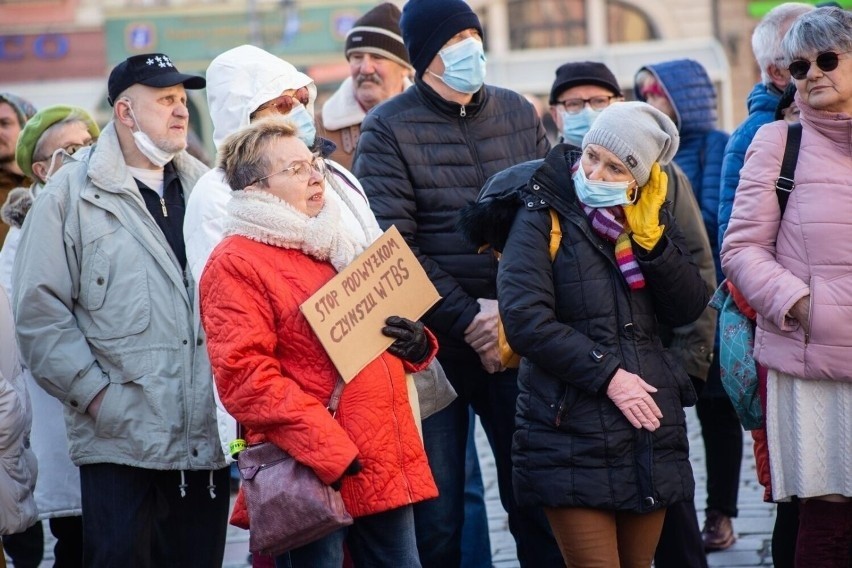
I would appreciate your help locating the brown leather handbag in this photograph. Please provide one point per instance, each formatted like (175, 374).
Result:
(288, 505)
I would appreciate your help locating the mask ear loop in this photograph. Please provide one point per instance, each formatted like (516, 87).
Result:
(52, 163)
(635, 197)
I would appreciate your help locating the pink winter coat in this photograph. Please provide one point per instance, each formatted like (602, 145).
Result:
(774, 263)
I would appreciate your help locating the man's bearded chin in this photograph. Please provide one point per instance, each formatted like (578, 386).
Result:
(6, 159)
(371, 78)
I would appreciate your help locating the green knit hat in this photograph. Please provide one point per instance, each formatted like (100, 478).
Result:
(38, 124)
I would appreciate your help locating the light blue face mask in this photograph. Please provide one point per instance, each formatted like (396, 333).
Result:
(464, 66)
(597, 194)
(304, 123)
(575, 126)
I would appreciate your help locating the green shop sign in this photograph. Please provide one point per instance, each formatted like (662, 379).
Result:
(305, 35)
(758, 9)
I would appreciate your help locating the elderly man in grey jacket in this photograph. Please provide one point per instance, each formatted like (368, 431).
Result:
(104, 315)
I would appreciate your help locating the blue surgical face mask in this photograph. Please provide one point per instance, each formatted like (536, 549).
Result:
(464, 66)
(596, 193)
(575, 126)
(304, 123)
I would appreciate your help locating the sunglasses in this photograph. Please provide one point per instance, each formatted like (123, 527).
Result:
(826, 61)
(285, 103)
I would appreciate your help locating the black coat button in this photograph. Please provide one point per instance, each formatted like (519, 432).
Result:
(596, 355)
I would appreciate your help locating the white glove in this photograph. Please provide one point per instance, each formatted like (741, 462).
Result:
(630, 394)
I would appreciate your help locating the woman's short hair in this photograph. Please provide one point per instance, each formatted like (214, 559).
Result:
(823, 29)
(243, 154)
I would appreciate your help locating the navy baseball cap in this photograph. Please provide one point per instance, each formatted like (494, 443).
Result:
(152, 70)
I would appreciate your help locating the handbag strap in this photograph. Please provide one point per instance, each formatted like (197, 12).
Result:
(333, 403)
(785, 183)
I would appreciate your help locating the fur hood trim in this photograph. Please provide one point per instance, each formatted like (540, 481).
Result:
(17, 205)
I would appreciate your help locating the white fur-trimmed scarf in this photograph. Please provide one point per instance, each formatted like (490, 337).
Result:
(262, 217)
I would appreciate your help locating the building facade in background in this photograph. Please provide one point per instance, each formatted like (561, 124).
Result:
(55, 51)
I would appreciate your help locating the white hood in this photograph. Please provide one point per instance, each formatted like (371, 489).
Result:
(242, 79)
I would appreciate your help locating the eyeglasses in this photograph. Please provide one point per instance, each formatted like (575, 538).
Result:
(301, 169)
(285, 103)
(573, 106)
(826, 61)
(70, 149)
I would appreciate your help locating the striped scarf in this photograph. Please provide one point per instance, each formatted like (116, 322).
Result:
(608, 223)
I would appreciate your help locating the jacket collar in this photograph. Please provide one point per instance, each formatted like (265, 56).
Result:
(450, 108)
(342, 109)
(835, 126)
(108, 170)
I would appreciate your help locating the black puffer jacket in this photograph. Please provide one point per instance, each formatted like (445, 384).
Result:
(575, 322)
(421, 159)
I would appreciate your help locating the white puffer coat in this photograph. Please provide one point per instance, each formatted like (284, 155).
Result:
(18, 469)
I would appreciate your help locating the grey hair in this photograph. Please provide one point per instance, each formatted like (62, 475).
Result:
(74, 117)
(824, 29)
(767, 36)
(243, 154)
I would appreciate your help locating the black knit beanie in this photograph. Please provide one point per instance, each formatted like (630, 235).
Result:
(428, 24)
(378, 32)
(583, 73)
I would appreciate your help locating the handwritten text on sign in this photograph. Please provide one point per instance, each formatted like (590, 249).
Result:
(347, 314)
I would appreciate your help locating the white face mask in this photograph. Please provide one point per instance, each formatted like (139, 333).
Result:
(147, 147)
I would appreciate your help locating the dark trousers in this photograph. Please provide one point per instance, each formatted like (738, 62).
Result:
(476, 542)
(135, 517)
(26, 548)
(723, 444)
(439, 521)
(785, 533)
(680, 543)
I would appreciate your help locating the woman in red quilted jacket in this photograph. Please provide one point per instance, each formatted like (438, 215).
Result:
(283, 242)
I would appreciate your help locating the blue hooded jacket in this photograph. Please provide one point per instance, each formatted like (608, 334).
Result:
(761, 102)
(702, 145)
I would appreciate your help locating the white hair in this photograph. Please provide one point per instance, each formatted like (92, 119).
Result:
(767, 36)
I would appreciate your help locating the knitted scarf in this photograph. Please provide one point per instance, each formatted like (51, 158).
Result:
(262, 217)
(608, 223)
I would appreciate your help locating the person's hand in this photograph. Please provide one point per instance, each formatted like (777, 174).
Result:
(481, 334)
(412, 343)
(801, 312)
(95, 406)
(354, 469)
(631, 395)
(644, 216)
(489, 357)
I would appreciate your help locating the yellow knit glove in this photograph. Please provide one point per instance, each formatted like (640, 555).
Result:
(644, 216)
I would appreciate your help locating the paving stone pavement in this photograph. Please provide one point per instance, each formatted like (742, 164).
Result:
(753, 526)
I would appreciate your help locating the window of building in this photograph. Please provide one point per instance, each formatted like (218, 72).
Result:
(547, 23)
(563, 23)
(626, 23)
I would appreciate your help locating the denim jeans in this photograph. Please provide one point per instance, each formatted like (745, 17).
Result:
(476, 543)
(439, 521)
(381, 540)
(135, 517)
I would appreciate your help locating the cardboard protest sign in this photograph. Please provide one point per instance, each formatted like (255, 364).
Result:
(348, 313)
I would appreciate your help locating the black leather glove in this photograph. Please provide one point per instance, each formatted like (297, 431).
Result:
(412, 343)
(354, 468)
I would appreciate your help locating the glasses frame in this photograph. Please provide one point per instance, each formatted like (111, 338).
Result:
(70, 149)
(317, 164)
(826, 61)
(564, 104)
(301, 96)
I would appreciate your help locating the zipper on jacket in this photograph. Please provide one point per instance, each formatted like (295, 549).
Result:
(462, 112)
(163, 205)
(810, 318)
(398, 436)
